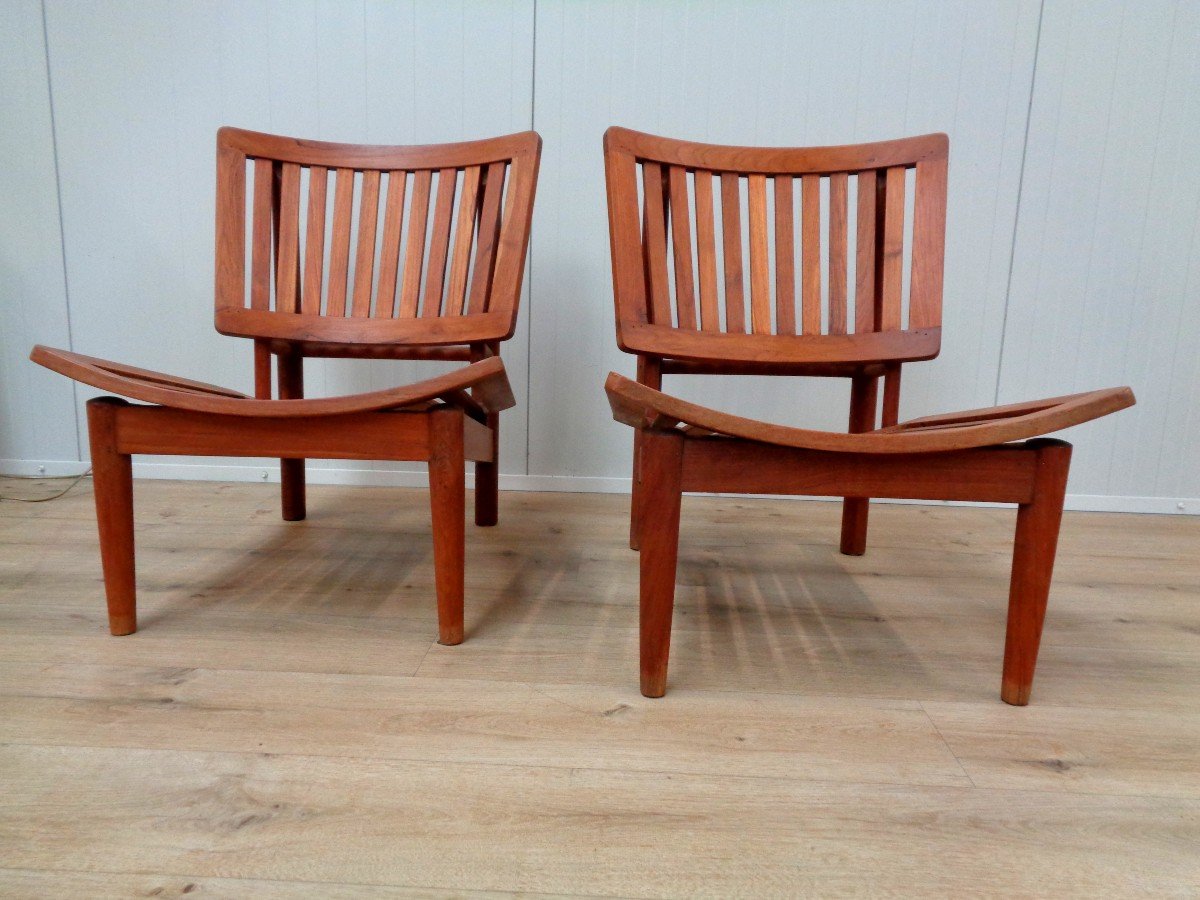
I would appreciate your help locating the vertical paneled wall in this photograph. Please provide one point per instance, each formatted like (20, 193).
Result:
(772, 74)
(1106, 268)
(140, 90)
(37, 421)
(1072, 256)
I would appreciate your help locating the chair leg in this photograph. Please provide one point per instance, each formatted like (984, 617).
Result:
(487, 480)
(1032, 567)
(447, 497)
(863, 392)
(291, 471)
(662, 476)
(112, 482)
(292, 489)
(635, 510)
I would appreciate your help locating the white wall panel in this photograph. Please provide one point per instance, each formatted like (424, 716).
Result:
(766, 73)
(1106, 270)
(37, 422)
(1073, 133)
(141, 90)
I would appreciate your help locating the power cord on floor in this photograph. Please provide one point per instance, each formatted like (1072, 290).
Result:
(78, 478)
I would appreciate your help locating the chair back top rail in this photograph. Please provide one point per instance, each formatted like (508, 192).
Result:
(357, 244)
(777, 255)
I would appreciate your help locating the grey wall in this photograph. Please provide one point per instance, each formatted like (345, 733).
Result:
(1074, 197)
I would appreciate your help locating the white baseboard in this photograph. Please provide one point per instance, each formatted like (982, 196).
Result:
(43, 468)
(579, 484)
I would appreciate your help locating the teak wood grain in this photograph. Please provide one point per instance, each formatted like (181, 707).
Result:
(446, 287)
(977, 455)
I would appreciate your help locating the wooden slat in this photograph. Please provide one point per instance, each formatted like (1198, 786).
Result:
(731, 238)
(785, 257)
(760, 275)
(681, 234)
(260, 247)
(929, 245)
(489, 233)
(655, 244)
(287, 272)
(838, 238)
(230, 281)
(364, 261)
(314, 243)
(511, 244)
(706, 253)
(414, 258)
(339, 253)
(864, 267)
(443, 213)
(464, 236)
(389, 258)
(810, 275)
(893, 250)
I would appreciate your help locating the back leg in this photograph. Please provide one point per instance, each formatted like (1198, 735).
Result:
(291, 471)
(863, 391)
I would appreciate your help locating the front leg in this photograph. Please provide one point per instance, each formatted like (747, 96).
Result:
(447, 497)
(112, 484)
(661, 492)
(1034, 549)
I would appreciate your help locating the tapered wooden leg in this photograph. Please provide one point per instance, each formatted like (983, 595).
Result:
(662, 477)
(863, 391)
(635, 519)
(1032, 567)
(447, 496)
(291, 471)
(487, 480)
(112, 483)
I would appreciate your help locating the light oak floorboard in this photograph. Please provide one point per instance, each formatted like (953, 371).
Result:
(768, 735)
(28, 884)
(571, 830)
(284, 725)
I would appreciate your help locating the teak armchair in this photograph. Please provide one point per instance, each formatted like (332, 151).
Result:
(677, 317)
(445, 288)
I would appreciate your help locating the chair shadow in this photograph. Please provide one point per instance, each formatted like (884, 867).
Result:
(343, 566)
(743, 615)
(747, 614)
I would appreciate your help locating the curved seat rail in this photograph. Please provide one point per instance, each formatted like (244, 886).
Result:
(486, 379)
(643, 407)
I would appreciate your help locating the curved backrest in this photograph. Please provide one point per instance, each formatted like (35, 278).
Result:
(355, 244)
(777, 255)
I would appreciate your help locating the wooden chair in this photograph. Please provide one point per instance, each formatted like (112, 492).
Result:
(445, 288)
(678, 316)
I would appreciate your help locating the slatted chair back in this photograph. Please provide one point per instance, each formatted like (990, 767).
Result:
(421, 245)
(777, 256)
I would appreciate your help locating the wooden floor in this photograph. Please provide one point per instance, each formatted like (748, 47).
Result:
(285, 726)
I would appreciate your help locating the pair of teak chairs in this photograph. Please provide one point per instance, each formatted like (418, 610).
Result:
(422, 258)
